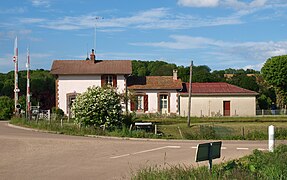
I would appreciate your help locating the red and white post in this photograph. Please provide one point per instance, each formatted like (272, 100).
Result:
(28, 96)
(16, 88)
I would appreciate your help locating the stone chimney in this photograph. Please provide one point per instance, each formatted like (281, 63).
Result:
(93, 56)
(174, 74)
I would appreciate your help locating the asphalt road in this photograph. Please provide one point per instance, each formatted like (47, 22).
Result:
(26, 154)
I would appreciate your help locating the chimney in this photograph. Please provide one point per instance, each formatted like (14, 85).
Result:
(174, 74)
(93, 56)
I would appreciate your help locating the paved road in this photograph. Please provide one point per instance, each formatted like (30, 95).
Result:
(35, 155)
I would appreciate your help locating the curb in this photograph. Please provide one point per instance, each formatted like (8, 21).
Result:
(102, 137)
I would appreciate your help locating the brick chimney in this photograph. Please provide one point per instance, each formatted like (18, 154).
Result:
(174, 74)
(93, 56)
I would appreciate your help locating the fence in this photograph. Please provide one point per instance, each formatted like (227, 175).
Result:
(263, 112)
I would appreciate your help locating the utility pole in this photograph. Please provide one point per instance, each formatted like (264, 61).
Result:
(189, 94)
(16, 89)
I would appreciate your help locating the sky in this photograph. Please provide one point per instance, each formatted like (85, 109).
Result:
(218, 33)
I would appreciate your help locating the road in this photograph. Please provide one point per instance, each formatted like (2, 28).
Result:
(26, 154)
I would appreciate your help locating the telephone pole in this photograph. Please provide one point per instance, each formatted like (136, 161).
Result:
(189, 94)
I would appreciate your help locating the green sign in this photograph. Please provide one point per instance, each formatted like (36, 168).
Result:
(208, 151)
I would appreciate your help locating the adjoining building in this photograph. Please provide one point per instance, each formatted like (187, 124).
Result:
(218, 99)
(152, 94)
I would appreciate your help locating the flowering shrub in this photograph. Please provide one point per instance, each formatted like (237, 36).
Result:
(98, 106)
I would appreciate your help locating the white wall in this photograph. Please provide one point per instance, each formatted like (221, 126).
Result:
(212, 106)
(79, 84)
(153, 100)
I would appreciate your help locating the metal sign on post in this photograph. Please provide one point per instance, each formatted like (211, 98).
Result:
(208, 151)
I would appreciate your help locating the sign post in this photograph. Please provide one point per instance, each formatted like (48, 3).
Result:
(208, 151)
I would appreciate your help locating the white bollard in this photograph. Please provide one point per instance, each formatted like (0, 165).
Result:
(271, 141)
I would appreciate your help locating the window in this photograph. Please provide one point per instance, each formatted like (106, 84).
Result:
(163, 101)
(109, 80)
(140, 103)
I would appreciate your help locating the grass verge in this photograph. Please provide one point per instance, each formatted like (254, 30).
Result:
(259, 165)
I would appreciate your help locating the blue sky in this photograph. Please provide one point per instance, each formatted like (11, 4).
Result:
(218, 33)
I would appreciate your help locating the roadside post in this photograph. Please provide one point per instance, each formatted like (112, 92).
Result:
(271, 138)
(208, 151)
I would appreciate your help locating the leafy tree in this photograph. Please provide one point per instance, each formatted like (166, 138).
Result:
(274, 72)
(98, 106)
(244, 81)
(6, 107)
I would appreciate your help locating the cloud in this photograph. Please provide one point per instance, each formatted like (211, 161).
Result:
(159, 18)
(198, 3)
(38, 3)
(236, 4)
(16, 10)
(226, 51)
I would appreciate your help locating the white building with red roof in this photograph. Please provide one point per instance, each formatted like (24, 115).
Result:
(217, 99)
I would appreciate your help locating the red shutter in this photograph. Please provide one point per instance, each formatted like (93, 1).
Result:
(145, 103)
(103, 79)
(132, 105)
(115, 81)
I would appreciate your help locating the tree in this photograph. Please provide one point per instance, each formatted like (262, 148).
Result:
(274, 72)
(98, 106)
(244, 81)
(6, 107)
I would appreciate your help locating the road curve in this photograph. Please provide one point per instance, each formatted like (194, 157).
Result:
(29, 155)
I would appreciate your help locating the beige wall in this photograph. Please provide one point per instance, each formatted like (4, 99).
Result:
(213, 106)
(79, 84)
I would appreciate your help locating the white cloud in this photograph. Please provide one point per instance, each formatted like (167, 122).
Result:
(198, 3)
(227, 51)
(159, 18)
(236, 4)
(38, 3)
(31, 20)
(16, 10)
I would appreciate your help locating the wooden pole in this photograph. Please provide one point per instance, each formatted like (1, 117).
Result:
(189, 94)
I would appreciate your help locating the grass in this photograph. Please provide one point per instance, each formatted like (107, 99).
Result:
(224, 128)
(259, 165)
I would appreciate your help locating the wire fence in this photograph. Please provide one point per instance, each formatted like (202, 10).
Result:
(263, 112)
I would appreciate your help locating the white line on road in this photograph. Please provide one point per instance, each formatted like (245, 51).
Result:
(242, 148)
(124, 155)
(145, 151)
(194, 147)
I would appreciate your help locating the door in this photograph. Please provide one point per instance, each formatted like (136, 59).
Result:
(164, 104)
(226, 108)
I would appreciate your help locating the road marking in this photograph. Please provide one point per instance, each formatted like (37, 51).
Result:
(242, 148)
(260, 149)
(145, 151)
(124, 155)
(194, 147)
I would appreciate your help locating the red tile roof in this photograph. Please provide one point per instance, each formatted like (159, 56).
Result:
(154, 82)
(217, 88)
(81, 67)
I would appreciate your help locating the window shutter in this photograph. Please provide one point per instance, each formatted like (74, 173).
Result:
(115, 81)
(145, 103)
(132, 106)
(103, 79)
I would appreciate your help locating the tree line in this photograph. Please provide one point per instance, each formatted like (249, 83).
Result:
(270, 83)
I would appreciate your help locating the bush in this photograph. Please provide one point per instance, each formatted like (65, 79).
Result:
(6, 107)
(59, 112)
(98, 106)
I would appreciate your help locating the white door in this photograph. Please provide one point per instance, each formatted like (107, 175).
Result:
(164, 104)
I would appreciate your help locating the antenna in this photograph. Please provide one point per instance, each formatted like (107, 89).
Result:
(95, 31)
